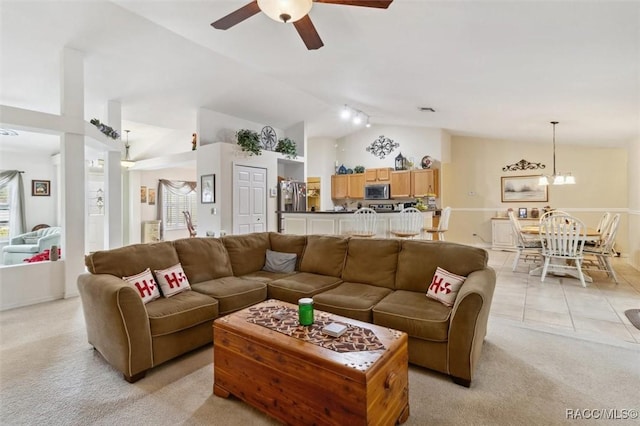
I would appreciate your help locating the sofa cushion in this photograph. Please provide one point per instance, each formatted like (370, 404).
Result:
(145, 285)
(233, 293)
(266, 276)
(172, 280)
(352, 300)
(372, 262)
(418, 260)
(302, 284)
(21, 248)
(324, 255)
(203, 259)
(289, 244)
(276, 261)
(130, 260)
(247, 252)
(414, 314)
(182, 311)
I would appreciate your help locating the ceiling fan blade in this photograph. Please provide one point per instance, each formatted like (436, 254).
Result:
(380, 4)
(245, 12)
(308, 33)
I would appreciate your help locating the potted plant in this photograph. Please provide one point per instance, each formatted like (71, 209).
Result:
(358, 169)
(249, 141)
(287, 147)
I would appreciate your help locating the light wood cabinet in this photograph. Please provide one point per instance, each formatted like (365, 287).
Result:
(379, 175)
(339, 186)
(401, 184)
(424, 182)
(313, 193)
(356, 185)
(347, 186)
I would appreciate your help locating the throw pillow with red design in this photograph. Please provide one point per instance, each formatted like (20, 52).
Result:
(172, 280)
(145, 285)
(444, 286)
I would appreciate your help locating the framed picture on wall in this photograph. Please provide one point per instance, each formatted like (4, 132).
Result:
(143, 194)
(516, 189)
(40, 188)
(208, 189)
(151, 196)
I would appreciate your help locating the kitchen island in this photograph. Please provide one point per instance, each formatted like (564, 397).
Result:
(340, 222)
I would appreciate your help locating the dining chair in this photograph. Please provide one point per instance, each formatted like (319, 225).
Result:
(408, 224)
(526, 248)
(562, 239)
(190, 227)
(599, 257)
(365, 223)
(443, 225)
(552, 213)
(603, 224)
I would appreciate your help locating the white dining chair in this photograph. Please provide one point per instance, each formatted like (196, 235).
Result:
(365, 222)
(527, 248)
(443, 225)
(599, 257)
(408, 224)
(562, 239)
(552, 213)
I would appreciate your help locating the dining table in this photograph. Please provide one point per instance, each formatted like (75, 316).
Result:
(591, 234)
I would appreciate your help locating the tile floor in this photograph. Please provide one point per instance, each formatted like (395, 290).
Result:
(561, 305)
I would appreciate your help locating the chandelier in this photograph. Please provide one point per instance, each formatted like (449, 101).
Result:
(556, 178)
(127, 162)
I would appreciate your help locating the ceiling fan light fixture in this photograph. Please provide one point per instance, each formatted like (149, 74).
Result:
(286, 11)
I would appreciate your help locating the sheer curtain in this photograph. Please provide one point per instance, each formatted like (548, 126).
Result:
(175, 186)
(13, 180)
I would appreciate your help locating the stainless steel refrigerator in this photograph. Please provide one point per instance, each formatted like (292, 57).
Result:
(292, 197)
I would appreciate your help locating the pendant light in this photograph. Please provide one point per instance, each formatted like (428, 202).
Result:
(556, 178)
(127, 161)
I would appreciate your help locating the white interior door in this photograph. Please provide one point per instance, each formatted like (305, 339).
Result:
(249, 199)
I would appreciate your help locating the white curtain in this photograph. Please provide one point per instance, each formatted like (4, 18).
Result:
(13, 180)
(175, 186)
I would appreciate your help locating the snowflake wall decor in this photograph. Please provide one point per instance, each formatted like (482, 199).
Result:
(382, 146)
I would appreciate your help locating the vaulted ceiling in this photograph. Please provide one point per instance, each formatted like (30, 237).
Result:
(489, 69)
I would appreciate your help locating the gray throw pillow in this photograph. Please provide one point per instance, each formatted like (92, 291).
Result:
(280, 262)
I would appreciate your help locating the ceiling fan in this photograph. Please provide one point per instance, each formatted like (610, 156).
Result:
(295, 11)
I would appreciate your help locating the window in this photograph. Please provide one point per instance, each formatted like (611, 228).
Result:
(5, 208)
(174, 203)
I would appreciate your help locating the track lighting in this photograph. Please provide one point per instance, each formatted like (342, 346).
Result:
(358, 116)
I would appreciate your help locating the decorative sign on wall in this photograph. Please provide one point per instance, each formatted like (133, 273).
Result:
(522, 165)
(382, 146)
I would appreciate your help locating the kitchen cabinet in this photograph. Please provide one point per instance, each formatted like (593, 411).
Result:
(401, 184)
(424, 182)
(347, 186)
(379, 175)
(339, 186)
(313, 193)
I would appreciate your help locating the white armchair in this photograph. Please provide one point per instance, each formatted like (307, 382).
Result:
(29, 244)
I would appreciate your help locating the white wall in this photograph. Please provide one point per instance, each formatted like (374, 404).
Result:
(217, 127)
(40, 167)
(633, 178)
(322, 157)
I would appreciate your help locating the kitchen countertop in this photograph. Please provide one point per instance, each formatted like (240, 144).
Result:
(435, 212)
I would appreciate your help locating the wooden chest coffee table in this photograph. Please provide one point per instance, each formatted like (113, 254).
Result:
(301, 376)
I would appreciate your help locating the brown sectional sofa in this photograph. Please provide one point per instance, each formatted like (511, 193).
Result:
(381, 281)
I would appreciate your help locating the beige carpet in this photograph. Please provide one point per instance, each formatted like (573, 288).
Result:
(49, 375)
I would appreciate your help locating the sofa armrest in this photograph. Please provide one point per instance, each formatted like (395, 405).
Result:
(117, 322)
(17, 240)
(45, 242)
(468, 324)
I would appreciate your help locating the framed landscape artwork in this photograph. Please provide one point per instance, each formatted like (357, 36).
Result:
(40, 188)
(523, 188)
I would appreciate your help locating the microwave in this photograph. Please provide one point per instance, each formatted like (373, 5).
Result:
(376, 192)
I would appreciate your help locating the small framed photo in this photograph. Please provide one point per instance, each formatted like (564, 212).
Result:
(151, 196)
(208, 189)
(40, 188)
(522, 212)
(143, 194)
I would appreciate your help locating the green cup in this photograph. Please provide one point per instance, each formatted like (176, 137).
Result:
(305, 311)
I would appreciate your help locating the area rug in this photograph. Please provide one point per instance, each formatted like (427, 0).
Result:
(634, 317)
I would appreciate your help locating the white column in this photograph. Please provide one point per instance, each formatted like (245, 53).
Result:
(72, 182)
(113, 218)
(113, 200)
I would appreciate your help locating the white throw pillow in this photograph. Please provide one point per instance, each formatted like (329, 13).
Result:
(145, 285)
(172, 280)
(280, 262)
(444, 286)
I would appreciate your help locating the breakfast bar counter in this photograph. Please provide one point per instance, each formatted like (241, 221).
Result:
(339, 222)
